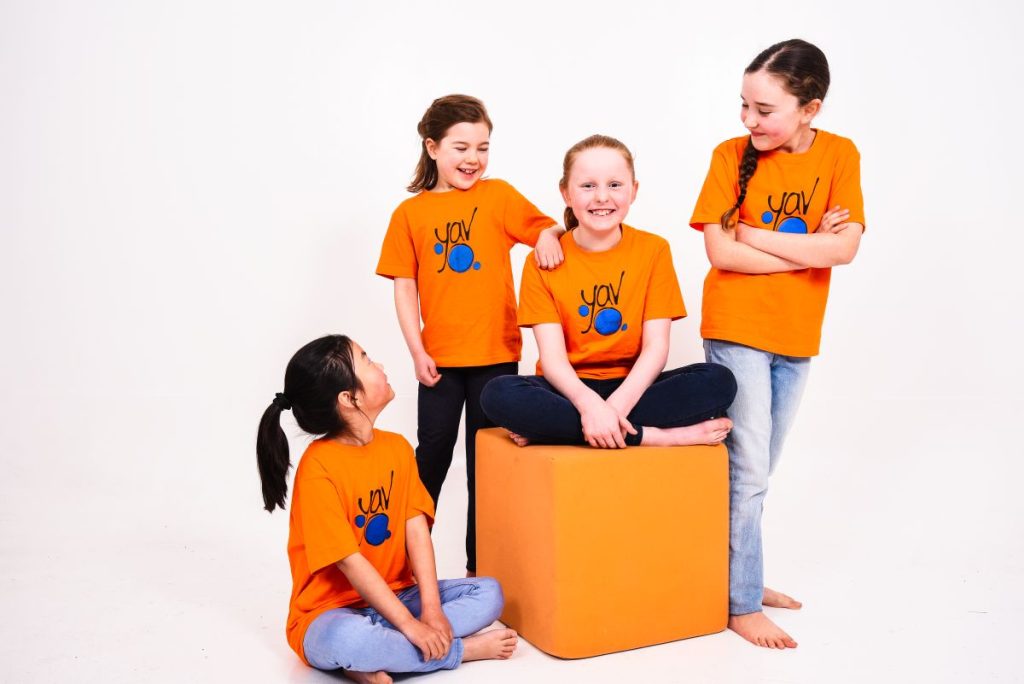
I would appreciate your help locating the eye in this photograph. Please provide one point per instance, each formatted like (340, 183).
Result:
(615, 184)
(587, 186)
(763, 113)
(744, 106)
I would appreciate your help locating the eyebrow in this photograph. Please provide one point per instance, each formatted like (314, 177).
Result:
(759, 104)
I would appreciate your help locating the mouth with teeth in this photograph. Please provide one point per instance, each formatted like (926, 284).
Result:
(467, 172)
(600, 212)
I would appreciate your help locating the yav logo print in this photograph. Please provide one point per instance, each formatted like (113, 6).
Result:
(373, 519)
(786, 214)
(600, 308)
(453, 245)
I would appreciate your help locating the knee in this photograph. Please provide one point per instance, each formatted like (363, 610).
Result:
(493, 397)
(492, 598)
(723, 382)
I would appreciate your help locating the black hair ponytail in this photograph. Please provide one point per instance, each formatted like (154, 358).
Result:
(315, 376)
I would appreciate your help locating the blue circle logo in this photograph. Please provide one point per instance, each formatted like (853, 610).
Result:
(460, 258)
(608, 321)
(438, 248)
(794, 224)
(377, 531)
(767, 217)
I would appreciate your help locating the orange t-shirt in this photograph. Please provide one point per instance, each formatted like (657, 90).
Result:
(349, 499)
(601, 300)
(456, 245)
(778, 312)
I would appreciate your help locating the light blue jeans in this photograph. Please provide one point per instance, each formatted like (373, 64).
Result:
(360, 640)
(770, 386)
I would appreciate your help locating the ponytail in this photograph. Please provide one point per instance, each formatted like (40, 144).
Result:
(315, 376)
(570, 219)
(748, 165)
(272, 458)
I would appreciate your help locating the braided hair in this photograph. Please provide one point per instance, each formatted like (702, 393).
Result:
(803, 71)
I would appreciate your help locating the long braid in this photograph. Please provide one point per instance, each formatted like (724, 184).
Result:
(748, 165)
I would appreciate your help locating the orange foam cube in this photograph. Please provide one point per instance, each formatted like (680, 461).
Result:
(603, 550)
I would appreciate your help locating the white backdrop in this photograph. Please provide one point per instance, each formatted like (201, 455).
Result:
(189, 191)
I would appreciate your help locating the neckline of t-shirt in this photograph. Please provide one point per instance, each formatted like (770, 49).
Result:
(817, 145)
(627, 234)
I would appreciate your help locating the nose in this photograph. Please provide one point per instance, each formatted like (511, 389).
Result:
(750, 119)
(602, 193)
(471, 155)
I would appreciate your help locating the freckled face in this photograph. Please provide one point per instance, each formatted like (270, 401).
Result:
(773, 115)
(461, 155)
(600, 189)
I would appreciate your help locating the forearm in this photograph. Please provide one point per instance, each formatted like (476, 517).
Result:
(814, 250)
(647, 368)
(557, 369)
(407, 304)
(421, 560)
(365, 579)
(726, 253)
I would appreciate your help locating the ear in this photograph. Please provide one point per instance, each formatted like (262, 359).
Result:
(810, 110)
(636, 186)
(431, 148)
(565, 195)
(346, 400)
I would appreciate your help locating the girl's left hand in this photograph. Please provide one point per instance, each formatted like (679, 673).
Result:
(833, 220)
(548, 251)
(435, 617)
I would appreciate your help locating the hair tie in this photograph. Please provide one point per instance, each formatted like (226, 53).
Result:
(282, 402)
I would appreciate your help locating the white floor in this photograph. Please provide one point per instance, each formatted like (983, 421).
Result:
(904, 543)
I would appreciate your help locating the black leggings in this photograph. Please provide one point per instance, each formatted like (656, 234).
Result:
(530, 406)
(439, 412)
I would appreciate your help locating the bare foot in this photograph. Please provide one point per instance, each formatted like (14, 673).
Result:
(758, 629)
(369, 677)
(496, 644)
(709, 432)
(518, 439)
(776, 599)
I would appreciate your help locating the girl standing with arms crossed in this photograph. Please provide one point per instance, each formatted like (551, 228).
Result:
(447, 249)
(764, 298)
(365, 594)
(602, 323)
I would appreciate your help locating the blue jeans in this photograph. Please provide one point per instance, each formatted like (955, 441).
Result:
(360, 640)
(770, 386)
(530, 406)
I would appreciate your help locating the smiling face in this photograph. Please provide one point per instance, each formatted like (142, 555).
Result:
(774, 116)
(461, 155)
(375, 392)
(599, 189)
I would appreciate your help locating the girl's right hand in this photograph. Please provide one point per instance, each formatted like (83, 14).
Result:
(426, 370)
(432, 643)
(603, 427)
(833, 219)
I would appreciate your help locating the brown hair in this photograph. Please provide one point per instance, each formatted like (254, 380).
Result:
(570, 158)
(442, 114)
(803, 71)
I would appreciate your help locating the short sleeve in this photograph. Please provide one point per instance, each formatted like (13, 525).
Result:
(326, 530)
(720, 190)
(664, 298)
(420, 502)
(536, 303)
(523, 221)
(398, 253)
(846, 190)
